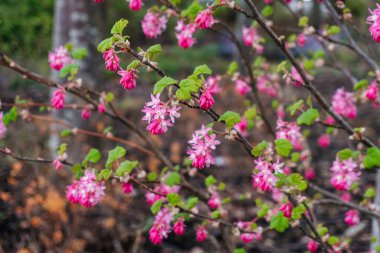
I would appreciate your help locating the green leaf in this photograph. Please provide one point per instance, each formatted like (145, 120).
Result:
(240, 250)
(80, 53)
(174, 199)
(281, 67)
(332, 240)
(303, 22)
(210, 180)
(369, 193)
(264, 208)
(192, 11)
(232, 68)
(283, 147)
(109, 97)
(189, 85)
(258, 150)
(119, 26)
(183, 94)
(69, 69)
(295, 157)
(133, 65)
(62, 149)
(372, 159)
(93, 156)
(10, 116)
(298, 211)
(267, 11)
(152, 176)
(295, 106)
(115, 154)
(173, 179)
(333, 30)
(308, 117)
(104, 45)
(215, 214)
(126, 167)
(156, 207)
(279, 222)
(77, 170)
(344, 154)
(202, 69)
(250, 113)
(297, 181)
(105, 174)
(322, 230)
(65, 132)
(153, 50)
(162, 84)
(191, 202)
(230, 118)
(361, 84)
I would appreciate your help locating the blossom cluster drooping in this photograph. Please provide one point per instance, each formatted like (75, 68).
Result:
(57, 163)
(160, 115)
(135, 5)
(374, 21)
(185, 33)
(161, 226)
(153, 24)
(251, 38)
(201, 146)
(265, 85)
(344, 174)
(58, 100)
(242, 87)
(112, 60)
(312, 246)
(249, 237)
(128, 78)
(59, 58)
(287, 209)
(210, 88)
(162, 189)
(265, 179)
(205, 19)
(343, 103)
(242, 127)
(201, 234)
(88, 191)
(289, 131)
(301, 40)
(3, 128)
(372, 91)
(352, 217)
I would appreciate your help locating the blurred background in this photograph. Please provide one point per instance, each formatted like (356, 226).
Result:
(34, 213)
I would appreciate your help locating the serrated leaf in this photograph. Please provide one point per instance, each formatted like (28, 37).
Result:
(126, 167)
(65, 132)
(308, 117)
(173, 179)
(119, 26)
(69, 69)
(264, 208)
(183, 94)
(109, 97)
(93, 156)
(232, 68)
(297, 181)
(104, 45)
(105, 174)
(298, 211)
(174, 199)
(230, 118)
(192, 11)
(156, 207)
(332, 240)
(162, 84)
(303, 21)
(344, 154)
(79, 53)
(281, 67)
(152, 176)
(258, 150)
(267, 11)
(153, 50)
(361, 84)
(115, 154)
(133, 65)
(283, 147)
(210, 180)
(192, 202)
(279, 222)
(322, 230)
(369, 193)
(372, 159)
(201, 70)
(189, 85)
(333, 30)
(10, 116)
(295, 106)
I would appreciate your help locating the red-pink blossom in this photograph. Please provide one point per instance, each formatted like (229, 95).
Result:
(162, 189)
(135, 5)
(58, 100)
(214, 202)
(3, 128)
(59, 58)
(346, 196)
(310, 174)
(102, 107)
(265, 85)
(324, 140)
(301, 40)
(251, 38)
(161, 226)
(205, 19)
(344, 174)
(343, 103)
(374, 21)
(179, 227)
(290, 131)
(127, 187)
(153, 24)
(312, 245)
(242, 87)
(265, 178)
(212, 84)
(242, 127)
(287, 209)
(372, 92)
(206, 101)
(112, 60)
(185, 33)
(128, 78)
(268, 1)
(201, 234)
(352, 217)
(296, 78)
(330, 120)
(57, 163)
(86, 113)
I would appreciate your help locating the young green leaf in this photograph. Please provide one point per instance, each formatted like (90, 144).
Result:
(162, 84)
(173, 179)
(279, 222)
(201, 70)
(174, 199)
(156, 207)
(119, 26)
(308, 117)
(230, 118)
(283, 147)
(126, 167)
(105, 45)
(372, 159)
(93, 156)
(115, 154)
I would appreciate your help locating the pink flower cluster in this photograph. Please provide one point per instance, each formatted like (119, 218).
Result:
(185, 33)
(265, 86)
(301, 40)
(205, 19)
(242, 127)
(153, 24)
(324, 140)
(287, 209)
(161, 226)
(201, 234)
(128, 78)
(58, 100)
(210, 88)
(3, 128)
(242, 87)
(249, 237)
(374, 21)
(352, 217)
(312, 246)
(251, 38)
(215, 201)
(86, 112)
(343, 103)
(57, 163)
(135, 5)
(112, 60)
(265, 179)
(202, 145)
(162, 189)
(127, 187)
(289, 131)
(88, 191)
(179, 227)
(160, 115)
(59, 58)
(344, 174)
(372, 91)
(295, 78)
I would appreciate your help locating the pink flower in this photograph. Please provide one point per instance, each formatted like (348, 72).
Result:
(289, 131)
(374, 22)
(58, 100)
(86, 113)
(301, 40)
(185, 33)
(296, 78)
(201, 234)
(346, 196)
(268, 1)
(280, 112)
(162, 189)
(102, 107)
(3, 128)
(265, 178)
(98, 1)
(112, 60)
(312, 246)
(212, 84)
(135, 5)
(179, 227)
(343, 103)
(324, 140)
(344, 174)
(161, 227)
(160, 115)
(264, 85)
(247, 237)
(205, 19)
(352, 217)
(242, 127)
(201, 146)
(287, 1)
(214, 202)
(128, 78)
(250, 36)
(59, 58)
(57, 163)
(88, 191)
(127, 187)
(287, 209)
(330, 120)
(372, 91)
(153, 24)
(309, 174)
(206, 101)
(242, 87)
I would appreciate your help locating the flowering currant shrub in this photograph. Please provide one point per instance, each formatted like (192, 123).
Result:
(304, 148)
